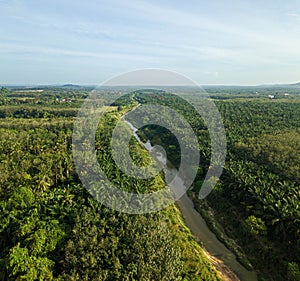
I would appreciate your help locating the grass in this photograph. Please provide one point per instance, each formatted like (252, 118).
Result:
(196, 264)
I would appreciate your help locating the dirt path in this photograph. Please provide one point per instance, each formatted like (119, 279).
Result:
(223, 270)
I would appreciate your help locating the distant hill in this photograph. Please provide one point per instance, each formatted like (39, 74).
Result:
(71, 86)
(294, 85)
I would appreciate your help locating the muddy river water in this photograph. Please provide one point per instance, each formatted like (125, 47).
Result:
(198, 226)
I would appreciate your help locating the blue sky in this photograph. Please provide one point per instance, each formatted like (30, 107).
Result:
(86, 42)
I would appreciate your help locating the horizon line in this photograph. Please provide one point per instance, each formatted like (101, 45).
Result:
(99, 85)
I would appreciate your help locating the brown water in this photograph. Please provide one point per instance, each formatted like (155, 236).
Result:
(209, 240)
(198, 226)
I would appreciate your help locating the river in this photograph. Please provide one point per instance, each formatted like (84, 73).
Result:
(198, 225)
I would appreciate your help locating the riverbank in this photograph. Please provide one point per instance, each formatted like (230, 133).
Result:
(225, 261)
(197, 266)
(223, 270)
(222, 259)
(207, 213)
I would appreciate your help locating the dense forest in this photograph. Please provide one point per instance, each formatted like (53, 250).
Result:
(51, 228)
(254, 208)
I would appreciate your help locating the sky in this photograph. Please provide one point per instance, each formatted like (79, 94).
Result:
(87, 42)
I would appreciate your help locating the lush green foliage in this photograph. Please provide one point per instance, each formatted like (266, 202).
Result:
(257, 199)
(52, 229)
(261, 183)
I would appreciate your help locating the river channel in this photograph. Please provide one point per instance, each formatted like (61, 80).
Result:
(198, 225)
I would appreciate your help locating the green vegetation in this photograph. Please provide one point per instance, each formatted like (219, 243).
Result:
(52, 229)
(254, 209)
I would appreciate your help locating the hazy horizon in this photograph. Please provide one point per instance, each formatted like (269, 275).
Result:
(95, 85)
